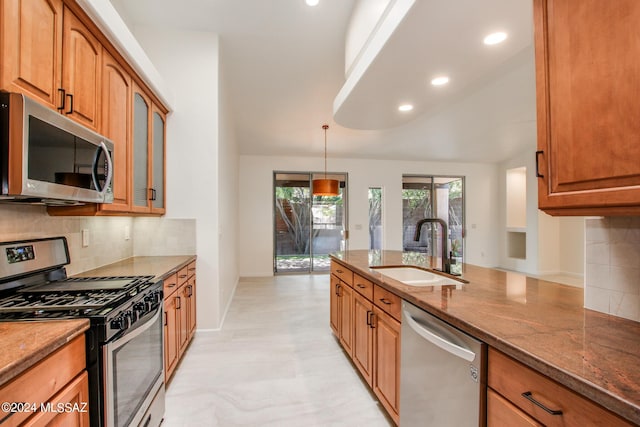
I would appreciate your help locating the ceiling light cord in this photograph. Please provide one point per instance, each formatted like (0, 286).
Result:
(325, 127)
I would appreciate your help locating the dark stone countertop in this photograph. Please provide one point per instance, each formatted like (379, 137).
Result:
(541, 324)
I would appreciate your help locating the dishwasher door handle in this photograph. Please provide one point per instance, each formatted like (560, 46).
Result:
(437, 340)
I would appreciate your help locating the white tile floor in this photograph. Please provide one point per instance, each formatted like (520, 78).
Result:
(275, 363)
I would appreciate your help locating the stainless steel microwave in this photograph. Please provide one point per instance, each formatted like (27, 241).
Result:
(48, 158)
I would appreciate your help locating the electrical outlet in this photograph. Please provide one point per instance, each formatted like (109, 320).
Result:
(85, 238)
(127, 232)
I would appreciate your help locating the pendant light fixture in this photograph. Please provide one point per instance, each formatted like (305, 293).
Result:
(325, 187)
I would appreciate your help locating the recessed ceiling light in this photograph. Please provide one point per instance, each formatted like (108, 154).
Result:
(495, 38)
(439, 81)
(312, 2)
(405, 107)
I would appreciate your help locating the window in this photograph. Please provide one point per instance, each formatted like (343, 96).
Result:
(375, 218)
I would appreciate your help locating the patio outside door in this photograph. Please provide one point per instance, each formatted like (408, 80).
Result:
(306, 228)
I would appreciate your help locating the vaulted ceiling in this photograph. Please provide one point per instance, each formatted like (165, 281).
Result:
(284, 66)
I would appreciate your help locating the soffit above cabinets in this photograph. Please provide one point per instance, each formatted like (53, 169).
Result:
(417, 40)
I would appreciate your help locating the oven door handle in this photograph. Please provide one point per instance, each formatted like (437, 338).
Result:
(130, 334)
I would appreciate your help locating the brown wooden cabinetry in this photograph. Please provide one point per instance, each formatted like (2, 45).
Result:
(588, 77)
(52, 52)
(362, 317)
(530, 398)
(50, 55)
(363, 336)
(59, 378)
(341, 312)
(31, 49)
(148, 163)
(386, 361)
(116, 125)
(179, 315)
(171, 325)
(81, 71)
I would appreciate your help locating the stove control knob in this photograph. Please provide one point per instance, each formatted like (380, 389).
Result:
(129, 318)
(148, 302)
(157, 297)
(139, 307)
(118, 323)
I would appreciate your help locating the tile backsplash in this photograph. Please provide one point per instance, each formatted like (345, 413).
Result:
(107, 243)
(164, 236)
(106, 234)
(612, 270)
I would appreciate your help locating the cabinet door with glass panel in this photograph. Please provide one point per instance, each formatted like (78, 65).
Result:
(148, 155)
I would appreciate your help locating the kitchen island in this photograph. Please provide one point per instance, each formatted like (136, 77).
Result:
(541, 324)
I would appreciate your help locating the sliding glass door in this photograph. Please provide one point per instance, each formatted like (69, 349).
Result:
(307, 228)
(433, 197)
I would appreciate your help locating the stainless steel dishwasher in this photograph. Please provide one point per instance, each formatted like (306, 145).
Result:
(442, 373)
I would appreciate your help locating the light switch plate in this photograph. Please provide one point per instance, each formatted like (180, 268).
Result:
(85, 237)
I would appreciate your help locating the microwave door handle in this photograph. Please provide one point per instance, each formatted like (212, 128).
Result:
(94, 175)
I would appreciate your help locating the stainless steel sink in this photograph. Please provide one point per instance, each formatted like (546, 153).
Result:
(414, 276)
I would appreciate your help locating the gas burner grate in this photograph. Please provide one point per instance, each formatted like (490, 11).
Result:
(57, 301)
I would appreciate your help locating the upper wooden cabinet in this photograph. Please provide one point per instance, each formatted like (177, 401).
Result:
(148, 155)
(52, 52)
(31, 48)
(50, 55)
(81, 69)
(588, 78)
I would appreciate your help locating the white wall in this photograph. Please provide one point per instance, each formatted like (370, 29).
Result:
(189, 63)
(256, 204)
(228, 183)
(555, 245)
(572, 245)
(530, 264)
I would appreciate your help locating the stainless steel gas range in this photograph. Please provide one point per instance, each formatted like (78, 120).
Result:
(124, 341)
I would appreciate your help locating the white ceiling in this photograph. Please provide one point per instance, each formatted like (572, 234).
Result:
(284, 65)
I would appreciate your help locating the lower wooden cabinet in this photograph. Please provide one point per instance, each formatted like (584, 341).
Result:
(386, 365)
(60, 378)
(501, 412)
(179, 316)
(531, 398)
(341, 317)
(74, 396)
(363, 336)
(368, 332)
(170, 335)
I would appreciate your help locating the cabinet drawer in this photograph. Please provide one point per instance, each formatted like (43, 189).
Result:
(42, 381)
(500, 412)
(343, 273)
(170, 285)
(191, 269)
(389, 302)
(183, 275)
(520, 384)
(363, 286)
